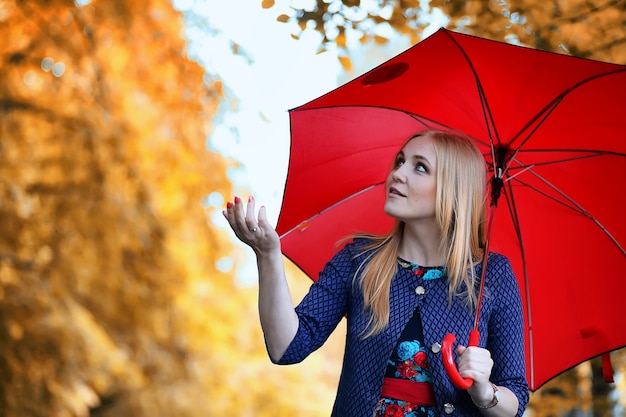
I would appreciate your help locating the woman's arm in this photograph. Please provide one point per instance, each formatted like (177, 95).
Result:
(502, 362)
(476, 363)
(278, 318)
(505, 339)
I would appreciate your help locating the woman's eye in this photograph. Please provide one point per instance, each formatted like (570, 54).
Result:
(421, 168)
(399, 161)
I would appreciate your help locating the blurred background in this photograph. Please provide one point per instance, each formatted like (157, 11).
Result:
(124, 129)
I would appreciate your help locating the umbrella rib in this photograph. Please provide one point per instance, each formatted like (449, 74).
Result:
(543, 114)
(420, 119)
(595, 154)
(572, 206)
(303, 224)
(511, 205)
(592, 152)
(489, 120)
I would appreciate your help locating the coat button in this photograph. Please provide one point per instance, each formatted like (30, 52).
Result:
(435, 347)
(420, 290)
(448, 408)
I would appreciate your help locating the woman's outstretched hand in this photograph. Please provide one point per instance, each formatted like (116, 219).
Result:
(258, 234)
(278, 317)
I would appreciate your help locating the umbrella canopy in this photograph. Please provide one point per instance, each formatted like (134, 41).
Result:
(553, 126)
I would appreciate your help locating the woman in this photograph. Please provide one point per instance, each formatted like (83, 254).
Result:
(403, 292)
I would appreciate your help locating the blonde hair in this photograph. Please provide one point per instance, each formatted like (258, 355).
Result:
(460, 214)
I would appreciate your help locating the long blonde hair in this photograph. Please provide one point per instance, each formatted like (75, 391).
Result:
(460, 214)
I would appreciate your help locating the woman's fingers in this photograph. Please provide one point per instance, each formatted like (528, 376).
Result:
(474, 362)
(235, 213)
(263, 223)
(251, 222)
(255, 232)
(242, 219)
(229, 214)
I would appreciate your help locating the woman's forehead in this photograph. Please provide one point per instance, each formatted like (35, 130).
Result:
(422, 143)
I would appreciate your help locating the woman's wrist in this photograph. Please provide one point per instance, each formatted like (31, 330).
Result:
(492, 402)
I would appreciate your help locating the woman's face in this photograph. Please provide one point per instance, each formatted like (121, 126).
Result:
(411, 184)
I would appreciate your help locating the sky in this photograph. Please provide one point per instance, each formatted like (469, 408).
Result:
(271, 74)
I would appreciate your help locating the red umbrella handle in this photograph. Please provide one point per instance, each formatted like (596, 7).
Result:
(448, 359)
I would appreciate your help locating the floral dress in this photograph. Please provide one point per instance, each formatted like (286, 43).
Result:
(408, 359)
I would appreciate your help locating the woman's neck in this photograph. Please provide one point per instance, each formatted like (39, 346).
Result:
(421, 244)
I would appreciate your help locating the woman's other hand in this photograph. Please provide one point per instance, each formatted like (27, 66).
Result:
(476, 363)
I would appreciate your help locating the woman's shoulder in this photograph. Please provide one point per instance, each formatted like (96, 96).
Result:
(496, 262)
(499, 270)
(361, 242)
(498, 259)
(354, 248)
(356, 244)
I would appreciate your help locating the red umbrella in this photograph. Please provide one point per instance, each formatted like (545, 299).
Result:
(552, 127)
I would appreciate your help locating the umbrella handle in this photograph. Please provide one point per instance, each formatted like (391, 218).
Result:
(448, 359)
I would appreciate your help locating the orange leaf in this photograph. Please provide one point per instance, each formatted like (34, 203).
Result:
(346, 63)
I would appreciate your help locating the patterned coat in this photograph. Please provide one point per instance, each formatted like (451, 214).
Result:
(335, 295)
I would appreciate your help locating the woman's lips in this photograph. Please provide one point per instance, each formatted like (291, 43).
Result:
(394, 191)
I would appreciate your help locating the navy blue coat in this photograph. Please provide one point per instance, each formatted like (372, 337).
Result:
(336, 294)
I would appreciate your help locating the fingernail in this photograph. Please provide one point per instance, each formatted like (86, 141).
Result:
(237, 200)
(229, 205)
(250, 199)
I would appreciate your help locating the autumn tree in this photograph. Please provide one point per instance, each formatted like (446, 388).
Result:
(103, 169)
(111, 299)
(590, 29)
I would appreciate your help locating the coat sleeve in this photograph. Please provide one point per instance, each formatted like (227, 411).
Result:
(506, 332)
(322, 308)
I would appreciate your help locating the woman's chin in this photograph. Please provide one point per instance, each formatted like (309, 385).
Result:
(389, 211)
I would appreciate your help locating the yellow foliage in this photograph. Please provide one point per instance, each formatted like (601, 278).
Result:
(380, 40)
(346, 63)
(341, 40)
(594, 29)
(111, 301)
(103, 234)
(283, 18)
(266, 4)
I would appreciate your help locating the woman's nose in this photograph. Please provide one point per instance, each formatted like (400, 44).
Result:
(398, 175)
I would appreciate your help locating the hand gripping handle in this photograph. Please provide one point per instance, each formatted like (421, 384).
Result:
(448, 359)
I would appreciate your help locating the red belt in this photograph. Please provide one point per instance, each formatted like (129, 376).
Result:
(418, 393)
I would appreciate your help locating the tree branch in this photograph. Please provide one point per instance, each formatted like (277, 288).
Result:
(592, 9)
